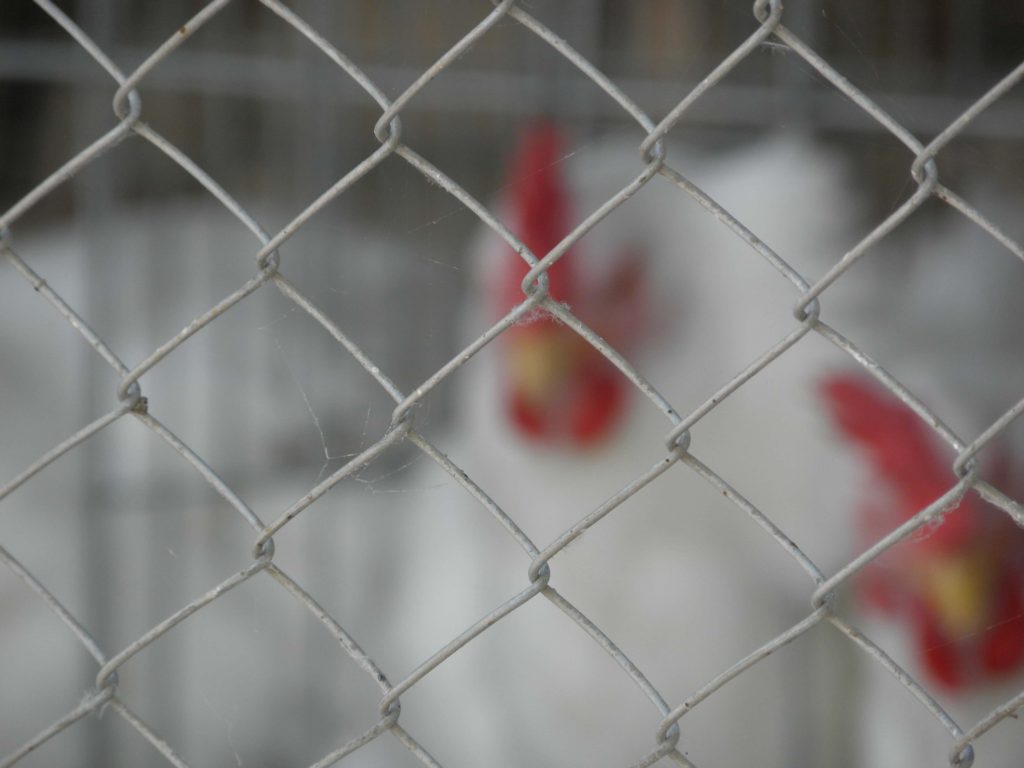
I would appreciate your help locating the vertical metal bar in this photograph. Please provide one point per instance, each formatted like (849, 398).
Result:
(797, 105)
(93, 197)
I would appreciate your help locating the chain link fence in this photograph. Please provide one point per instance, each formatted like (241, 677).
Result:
(404, 430)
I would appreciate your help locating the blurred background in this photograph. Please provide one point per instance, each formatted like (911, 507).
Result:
(122, 529)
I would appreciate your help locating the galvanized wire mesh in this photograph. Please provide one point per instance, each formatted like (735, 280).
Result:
(767, 27)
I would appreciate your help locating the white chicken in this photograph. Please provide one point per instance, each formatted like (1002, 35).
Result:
(683, 581)
(948, 604)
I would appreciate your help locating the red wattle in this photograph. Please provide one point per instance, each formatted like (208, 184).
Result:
(1002, 650)
(940, 657)
(529, 420)
(596, 407)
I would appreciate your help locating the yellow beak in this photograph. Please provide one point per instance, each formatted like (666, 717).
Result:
(958, 589)
(539, 362)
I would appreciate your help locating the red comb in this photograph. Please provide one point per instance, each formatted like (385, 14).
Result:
(541, 214)
(902, 451)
